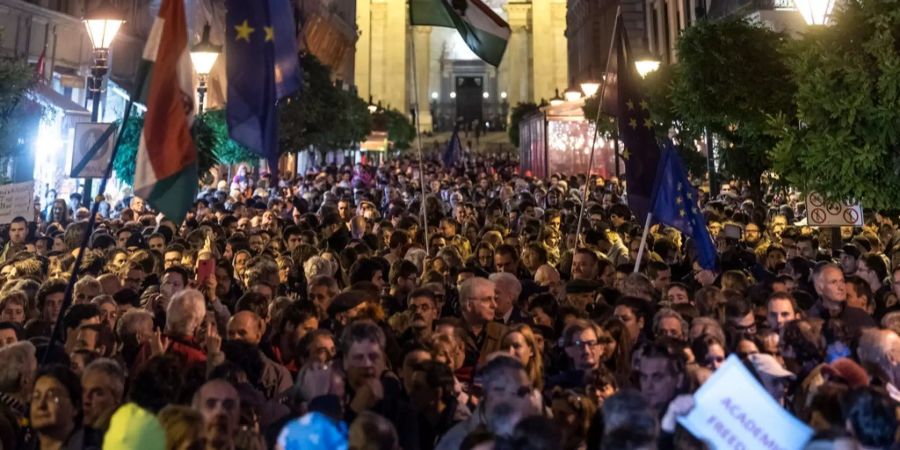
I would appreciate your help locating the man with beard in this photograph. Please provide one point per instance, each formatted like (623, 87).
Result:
(423, 311)
(247, 327)
(370, 387)
(220, 405)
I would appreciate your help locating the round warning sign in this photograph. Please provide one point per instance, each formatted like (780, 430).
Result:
(851, 216)
(818, 216)
(815, 199)
(834, 208)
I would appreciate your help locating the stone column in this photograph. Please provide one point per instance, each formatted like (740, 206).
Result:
(422, 36)
(548, 25)
(363, 53)
(516, 74)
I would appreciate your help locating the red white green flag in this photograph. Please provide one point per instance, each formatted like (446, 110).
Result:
(481, 28)
(166, 168)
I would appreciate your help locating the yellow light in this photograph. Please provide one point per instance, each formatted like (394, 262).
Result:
(646, 65)
(204, 54)
(590, 88)
(556, 100)
(102, 24)
(815, 12)
(572, 95)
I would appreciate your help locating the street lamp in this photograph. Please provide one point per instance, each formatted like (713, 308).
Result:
(814, 12)
(102, 24)
(572, 95)
(646, 65)
(556, 100)
(590, 87)
(204, 56)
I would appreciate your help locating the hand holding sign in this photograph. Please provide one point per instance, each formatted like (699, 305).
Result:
(741, 419)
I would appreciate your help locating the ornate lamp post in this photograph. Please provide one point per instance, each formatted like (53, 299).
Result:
(203, 56)
(102, 24)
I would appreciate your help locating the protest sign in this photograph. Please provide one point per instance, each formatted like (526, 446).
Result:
(16, 199)
(733, 411)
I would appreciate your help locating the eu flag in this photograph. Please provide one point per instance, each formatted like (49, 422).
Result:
(641, 152)
(453, 150)
(675, 204)
(262, 67)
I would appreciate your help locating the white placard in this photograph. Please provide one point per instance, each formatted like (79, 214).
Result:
(16, 200)
(733, 411)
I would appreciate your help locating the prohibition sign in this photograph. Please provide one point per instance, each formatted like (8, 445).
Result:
(816, 199)
(834, 208)
(818, 215)
(851, 216)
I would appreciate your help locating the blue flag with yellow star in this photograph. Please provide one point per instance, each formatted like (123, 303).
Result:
(262, 67)
(675, 204)
(640, 152)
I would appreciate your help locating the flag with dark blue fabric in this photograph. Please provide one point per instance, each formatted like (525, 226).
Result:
(675, 204)
(640, 152)
(262, 67)
(453, 150)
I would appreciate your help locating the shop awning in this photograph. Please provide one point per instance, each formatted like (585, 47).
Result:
(73, 112)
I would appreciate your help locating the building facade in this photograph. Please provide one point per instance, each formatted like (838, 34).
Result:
(451, 83)
(589, 29)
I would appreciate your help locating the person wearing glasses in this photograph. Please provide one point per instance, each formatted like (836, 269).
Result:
(584, 343)
(478, 299)
(423, 311)
(56, 410)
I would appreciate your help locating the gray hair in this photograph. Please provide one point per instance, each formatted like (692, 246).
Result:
(669, 312)
(467, 289)
(18, 359)
(128, 323)
(315, 266)
(113, 370)
(507, 282)
(185, 312)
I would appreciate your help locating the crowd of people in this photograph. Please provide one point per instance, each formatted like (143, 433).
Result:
(326, 311)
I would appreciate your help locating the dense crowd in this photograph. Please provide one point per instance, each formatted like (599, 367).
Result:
(325, 311)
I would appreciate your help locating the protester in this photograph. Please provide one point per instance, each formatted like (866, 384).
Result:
(325, 310)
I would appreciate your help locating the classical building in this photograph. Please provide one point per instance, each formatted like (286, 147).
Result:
(451, 82)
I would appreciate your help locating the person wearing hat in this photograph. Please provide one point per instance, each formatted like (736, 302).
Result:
(344, 308)
(774, 377)
(581, 293)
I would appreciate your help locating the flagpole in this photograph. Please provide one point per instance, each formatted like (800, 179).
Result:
(412, 45)
(92, 219)
(640, 254)
(603, 84)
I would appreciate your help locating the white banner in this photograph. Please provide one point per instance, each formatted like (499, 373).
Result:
(16, 200)
(733, 411)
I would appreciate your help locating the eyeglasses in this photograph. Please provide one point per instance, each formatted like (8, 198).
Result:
(584, 344)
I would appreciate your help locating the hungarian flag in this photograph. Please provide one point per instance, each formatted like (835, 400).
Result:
(480, 27)
(166, 168)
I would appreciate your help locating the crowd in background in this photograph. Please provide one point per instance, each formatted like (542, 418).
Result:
(327, 311)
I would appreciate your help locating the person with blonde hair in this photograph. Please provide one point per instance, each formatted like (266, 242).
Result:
(521, 343)
(184, 427)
